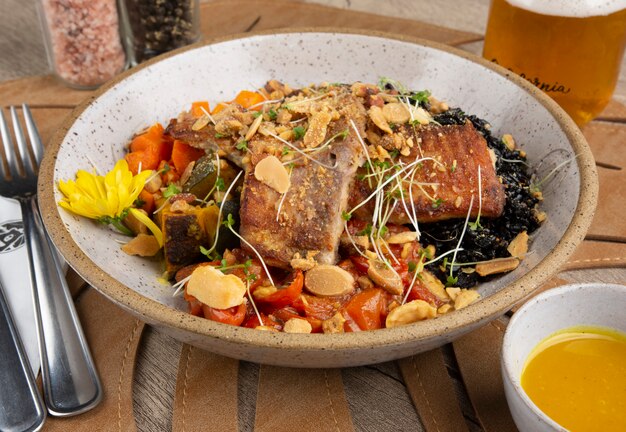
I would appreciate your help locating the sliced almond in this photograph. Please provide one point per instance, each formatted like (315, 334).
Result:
(153, 184)
(266, 328)
(401, 238)
(519, 245)
(416, 310)
(215, 289)
(200, 123)
(540, 216)
(493, 157)
(434, 285)
(273, 173)
(396, 113)
(465, 298)
(316, 132)
(385, 277)
(377, 116)
(143, 245)
(498, 265)
(453, 292)
(443, 309)
(421, 115)
(302, 264)
(328, 280)
(253, 128)
(508, 141)
(437, 106)
(334, 324)
(297, 325)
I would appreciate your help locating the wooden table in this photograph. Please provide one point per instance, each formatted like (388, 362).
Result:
(377, 397)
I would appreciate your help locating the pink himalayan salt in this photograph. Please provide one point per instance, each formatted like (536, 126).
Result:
(85, 40)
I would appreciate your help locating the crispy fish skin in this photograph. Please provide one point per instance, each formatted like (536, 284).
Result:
(310, 220)
(460, 150)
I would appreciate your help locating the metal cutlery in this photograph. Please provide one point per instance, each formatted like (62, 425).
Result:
(22, 407)
(70, 380)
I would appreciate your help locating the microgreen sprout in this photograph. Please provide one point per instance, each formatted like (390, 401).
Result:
(384, 82)
(301, 101)
(345, 227)
(265, 102)
(366, 231)
(298, 132)
(536, 186)
(476, 224)
(312, 159)
(166, 168)
(228, 223)
(256, 311)
(469, 212)
(218, 165)
(219, 215)
(313, 151)
(242, 145)
(208, 114)
(282, 199)
(171, 190)
(420, 96)
(443, 255)
(436, 203)
(514, 161)
(178, 286)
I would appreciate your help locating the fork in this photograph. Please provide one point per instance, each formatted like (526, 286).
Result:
(70, 381)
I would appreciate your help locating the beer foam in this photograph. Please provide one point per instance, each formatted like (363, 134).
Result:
(570, 8)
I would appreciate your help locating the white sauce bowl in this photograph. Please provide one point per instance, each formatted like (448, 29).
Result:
(594, 304)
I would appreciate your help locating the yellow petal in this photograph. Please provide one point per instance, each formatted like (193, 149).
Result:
(141, 217)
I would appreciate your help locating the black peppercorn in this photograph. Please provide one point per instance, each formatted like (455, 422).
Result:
(158, 26)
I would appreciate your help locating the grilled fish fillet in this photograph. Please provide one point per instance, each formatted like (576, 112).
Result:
(309, 223)
(441, 190)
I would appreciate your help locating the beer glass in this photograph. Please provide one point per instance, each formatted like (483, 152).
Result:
(570, 49)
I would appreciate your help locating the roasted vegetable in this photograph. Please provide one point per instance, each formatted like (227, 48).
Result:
(203, 177)
(184, 232)
(226, 239)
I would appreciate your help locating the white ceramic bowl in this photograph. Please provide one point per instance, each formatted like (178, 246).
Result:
(567, 306)
(158, 90)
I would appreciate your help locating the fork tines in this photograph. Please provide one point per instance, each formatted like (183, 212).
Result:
(20, 161)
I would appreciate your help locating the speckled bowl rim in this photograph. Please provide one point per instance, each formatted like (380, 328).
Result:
(429, 330)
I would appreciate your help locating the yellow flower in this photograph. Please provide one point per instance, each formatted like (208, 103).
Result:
(107, 198)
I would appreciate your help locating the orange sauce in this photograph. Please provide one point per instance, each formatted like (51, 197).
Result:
(578, 378)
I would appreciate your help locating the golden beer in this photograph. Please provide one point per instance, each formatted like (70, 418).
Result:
(572, 50)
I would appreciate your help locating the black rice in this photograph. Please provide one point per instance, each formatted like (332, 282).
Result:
(491, 237)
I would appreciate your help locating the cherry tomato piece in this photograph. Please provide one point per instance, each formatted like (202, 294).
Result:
(233, 316)
(284, 296)
(367, 310)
